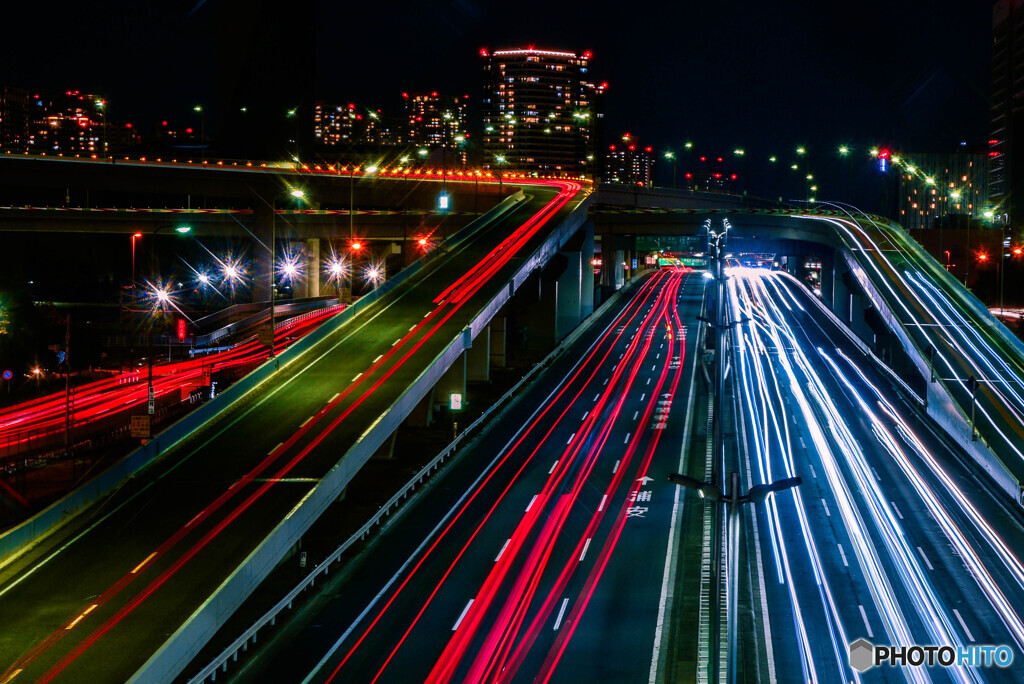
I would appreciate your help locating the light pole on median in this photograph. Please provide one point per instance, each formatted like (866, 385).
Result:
(734, 500)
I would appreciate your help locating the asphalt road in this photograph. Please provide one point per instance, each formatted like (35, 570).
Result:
(95, 603)
(541, 554)
(889, 537)
(931, 307)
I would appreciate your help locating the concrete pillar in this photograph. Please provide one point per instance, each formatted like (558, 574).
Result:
(312, 267)
(262, 226)
(478, 358)
(587, 270)
(498, 341)
(568, 288)
(828, 278)
(423, 414)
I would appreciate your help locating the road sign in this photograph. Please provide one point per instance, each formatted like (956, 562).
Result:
(265, 335)
(140, 427)
(8, 375)
(455, 401)
(181, 330)
(152, 401)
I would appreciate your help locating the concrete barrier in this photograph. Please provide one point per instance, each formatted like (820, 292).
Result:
(186, 642)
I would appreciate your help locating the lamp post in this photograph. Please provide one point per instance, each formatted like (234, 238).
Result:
(734, 499)
(202, 132)
(135, 236)
(499, 160)
(354, 244)
(298, 194)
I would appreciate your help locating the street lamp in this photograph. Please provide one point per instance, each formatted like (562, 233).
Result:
(734, 499)
(202, 132)
(499, 159)
(299, 195)
(672, 157)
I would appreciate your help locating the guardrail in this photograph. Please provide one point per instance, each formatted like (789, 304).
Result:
(312, 307)
(201, 626)
(15, 540)
(270, 617)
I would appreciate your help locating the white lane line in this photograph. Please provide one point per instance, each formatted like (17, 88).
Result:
(561, 612)
(643, 396)
(925, 558)
(648, 381)
(842, 553)
(570, 438)
(596, 396)
(628, 435)
(377, 359)
(357, 377)
(553, 466)
(654, 366)
(661, 346)
(586, 545)
(621, 355)
(616, 468)
(876, 474)
(530, 505)
(813, 473)
(896, 508)
(970, 637)
(585, 415)
(802, 445)
(825, 504)
(503, 547)
(605, 381)
(396, 341)
(635, 414)
(413, 327)
(658, 356)
(274, 449)
(305, 421)
(865, 617)
(427, 314)
(334, 397)
(462, 615)
(604, 499)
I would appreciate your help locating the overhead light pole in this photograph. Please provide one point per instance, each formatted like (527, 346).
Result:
(733, 500)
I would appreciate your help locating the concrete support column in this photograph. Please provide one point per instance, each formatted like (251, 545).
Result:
(498, 341)
(567, 293)
(312, 267)
(587, 270)
(262, 226)
(478, 358)
(828, 279)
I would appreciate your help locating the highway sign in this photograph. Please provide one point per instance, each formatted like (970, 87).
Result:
(455, 401)
(140, 427)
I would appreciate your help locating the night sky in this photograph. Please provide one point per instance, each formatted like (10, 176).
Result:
(764, 76)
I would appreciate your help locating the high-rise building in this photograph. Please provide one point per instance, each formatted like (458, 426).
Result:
(539, 110)
(15, 116)
(434, 120)
(72, 123)
(627, 162)
(1006, 142)
(942, 189)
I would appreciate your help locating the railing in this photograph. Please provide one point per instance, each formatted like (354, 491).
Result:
(241, 644)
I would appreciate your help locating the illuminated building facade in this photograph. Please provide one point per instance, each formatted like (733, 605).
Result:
(943, 189)
(628, 162)
(73, 123)
(1006, 142)
(15, 114)
(540, 111)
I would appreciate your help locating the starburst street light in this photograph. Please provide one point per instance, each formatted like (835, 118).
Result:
(844, 150)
